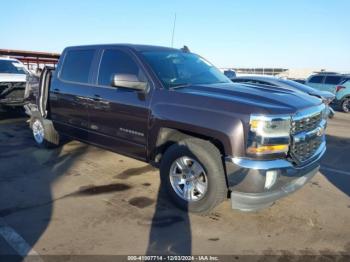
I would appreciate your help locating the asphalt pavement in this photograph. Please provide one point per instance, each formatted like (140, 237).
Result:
(81, 200)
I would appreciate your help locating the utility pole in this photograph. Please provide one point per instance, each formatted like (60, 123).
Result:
(172, 36)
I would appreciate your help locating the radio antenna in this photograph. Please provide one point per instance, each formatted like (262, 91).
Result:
(172, 36)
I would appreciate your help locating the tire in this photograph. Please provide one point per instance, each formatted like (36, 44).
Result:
(49, 137)
(345, 105)
(208, 157)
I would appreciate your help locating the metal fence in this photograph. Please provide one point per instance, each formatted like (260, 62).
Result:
(257, 70)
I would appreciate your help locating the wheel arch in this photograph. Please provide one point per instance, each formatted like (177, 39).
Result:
(168, 136)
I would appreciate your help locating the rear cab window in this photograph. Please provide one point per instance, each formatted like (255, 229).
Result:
(76, 65)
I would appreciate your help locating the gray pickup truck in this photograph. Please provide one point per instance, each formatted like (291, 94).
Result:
(211, 139)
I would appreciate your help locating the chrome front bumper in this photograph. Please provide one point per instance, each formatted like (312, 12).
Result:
(247, 177)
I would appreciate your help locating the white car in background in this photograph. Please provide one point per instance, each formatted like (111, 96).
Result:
(13, 77)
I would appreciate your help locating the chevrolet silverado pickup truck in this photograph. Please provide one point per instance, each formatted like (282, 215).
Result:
(211, 139)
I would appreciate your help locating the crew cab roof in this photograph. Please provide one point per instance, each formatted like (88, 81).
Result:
(138, 48)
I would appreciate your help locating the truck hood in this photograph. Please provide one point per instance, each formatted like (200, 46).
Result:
(253, 99)
(12, 77)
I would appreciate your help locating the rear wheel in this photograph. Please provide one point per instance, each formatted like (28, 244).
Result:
(346, 105)
(193, 175)
(44, 133)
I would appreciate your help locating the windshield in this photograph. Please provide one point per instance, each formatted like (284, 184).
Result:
(11, 67)
(176, 69)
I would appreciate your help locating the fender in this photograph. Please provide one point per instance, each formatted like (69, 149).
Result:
(218, 125)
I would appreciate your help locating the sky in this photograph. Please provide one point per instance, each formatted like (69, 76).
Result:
(233, 33)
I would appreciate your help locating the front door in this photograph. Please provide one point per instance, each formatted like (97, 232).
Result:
(119, 116)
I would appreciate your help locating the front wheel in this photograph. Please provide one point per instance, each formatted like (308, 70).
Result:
(44, 133)
(346, 105)
(193, 175)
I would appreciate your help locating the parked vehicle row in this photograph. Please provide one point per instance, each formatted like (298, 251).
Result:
(210, 138)
(334, 83)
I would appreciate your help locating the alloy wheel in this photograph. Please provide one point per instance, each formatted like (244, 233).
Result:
(188, 179)
(38, 131)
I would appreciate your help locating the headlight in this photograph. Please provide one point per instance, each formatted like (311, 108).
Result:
(269, 134)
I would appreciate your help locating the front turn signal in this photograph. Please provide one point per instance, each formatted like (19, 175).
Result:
(269, 149)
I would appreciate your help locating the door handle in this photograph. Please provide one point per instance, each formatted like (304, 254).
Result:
(56, 90)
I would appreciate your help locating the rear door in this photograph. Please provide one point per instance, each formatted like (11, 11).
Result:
(316, 82)
(331, 82)
(119, 116)
(70, 92)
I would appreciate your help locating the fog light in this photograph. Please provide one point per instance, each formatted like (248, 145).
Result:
(271, 178)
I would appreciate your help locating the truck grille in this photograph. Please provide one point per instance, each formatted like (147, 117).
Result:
(306, 123)
(302, 151)
(11, 91)
(307, 133)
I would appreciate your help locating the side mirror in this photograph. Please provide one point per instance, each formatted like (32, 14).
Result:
(128, 81)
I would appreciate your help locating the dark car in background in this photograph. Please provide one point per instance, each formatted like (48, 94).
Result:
(272, 81)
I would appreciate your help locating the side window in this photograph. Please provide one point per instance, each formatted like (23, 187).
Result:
(76, 65)
(333, 80)
(316, 79)
(117, 62)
